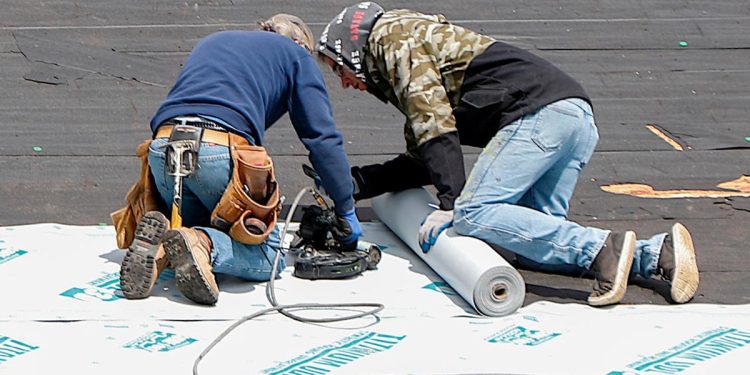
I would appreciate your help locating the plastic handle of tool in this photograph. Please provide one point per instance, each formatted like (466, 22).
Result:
(176, 220)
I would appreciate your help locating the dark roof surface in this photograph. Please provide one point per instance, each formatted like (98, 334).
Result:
(79, 83)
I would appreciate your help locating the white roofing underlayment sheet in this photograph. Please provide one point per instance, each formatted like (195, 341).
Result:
(469, 265)
(61, 311)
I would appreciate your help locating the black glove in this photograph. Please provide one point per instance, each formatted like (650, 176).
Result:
(316, 223)
(360, 188)
(401, 173)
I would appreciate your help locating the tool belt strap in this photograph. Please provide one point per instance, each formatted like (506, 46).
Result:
(209, 136)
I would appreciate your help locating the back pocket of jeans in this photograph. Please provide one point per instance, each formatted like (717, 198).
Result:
(552, 128)
(565, 107)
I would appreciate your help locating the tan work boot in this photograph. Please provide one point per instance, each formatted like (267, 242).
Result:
(145, 258)
(189, 252)
(677, 264)
(611, 269)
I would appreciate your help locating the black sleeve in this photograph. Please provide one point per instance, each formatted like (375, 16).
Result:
(403, 172)
(445, 164)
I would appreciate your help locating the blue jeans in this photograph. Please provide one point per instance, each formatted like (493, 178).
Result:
(517, 196)
(200, 194)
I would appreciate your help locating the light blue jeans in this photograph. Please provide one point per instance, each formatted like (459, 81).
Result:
(200, 194)
(517, 196)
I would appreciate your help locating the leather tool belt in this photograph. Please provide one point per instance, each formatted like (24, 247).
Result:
(210, 136)
(249, 207)
(212, 132)
(251, 203)
(142, 197)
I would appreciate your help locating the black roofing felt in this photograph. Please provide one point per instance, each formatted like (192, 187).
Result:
(79, 83)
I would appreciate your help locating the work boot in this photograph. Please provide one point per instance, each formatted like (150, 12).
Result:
(677, 264)
(611, 269)
(145, 258)
(189, 252)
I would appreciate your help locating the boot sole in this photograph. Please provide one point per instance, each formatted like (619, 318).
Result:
(138, 269)
(188, 275)
(686, 276)
(620, 284)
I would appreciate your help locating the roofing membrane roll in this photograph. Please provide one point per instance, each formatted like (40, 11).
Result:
(470, 266)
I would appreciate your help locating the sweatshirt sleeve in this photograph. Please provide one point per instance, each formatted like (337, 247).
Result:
(311, 115)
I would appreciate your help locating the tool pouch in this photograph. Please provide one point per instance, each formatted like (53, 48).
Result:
(252, 192)
(141, 198)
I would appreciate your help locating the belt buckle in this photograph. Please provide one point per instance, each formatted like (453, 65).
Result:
(199, 122)
(188, 120)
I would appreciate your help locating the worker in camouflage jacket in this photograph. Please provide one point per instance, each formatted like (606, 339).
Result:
(535, 125)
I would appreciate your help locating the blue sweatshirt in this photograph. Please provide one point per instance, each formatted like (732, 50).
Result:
(249, 79)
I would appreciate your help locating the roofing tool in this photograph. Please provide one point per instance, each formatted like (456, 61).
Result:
(182, 161)
(318, 254)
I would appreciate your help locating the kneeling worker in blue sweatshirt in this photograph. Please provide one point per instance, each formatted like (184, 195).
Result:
(234, 86)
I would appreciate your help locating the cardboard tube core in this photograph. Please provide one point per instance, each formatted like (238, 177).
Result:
(499, 292)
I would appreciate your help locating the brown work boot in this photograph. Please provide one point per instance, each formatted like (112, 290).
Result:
(145, 258)
(611, 269)
(677, 264)
(189, 251)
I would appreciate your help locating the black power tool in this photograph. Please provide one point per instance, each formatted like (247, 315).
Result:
(318, 255)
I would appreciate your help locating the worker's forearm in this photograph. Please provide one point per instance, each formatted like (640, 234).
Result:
(401, 173)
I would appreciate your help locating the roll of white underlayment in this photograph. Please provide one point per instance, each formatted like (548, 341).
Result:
(470, 266)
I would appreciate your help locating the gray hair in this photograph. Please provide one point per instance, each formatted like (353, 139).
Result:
(290, 26)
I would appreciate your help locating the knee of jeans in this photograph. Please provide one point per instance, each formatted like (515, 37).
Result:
(259, 272)
(459, 211)
(461, 224)
(465, 209)
(470, 219)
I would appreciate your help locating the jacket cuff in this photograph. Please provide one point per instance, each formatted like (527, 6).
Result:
(445, 162)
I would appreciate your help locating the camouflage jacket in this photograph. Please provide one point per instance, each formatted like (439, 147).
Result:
(455, 87)
(418, 62)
